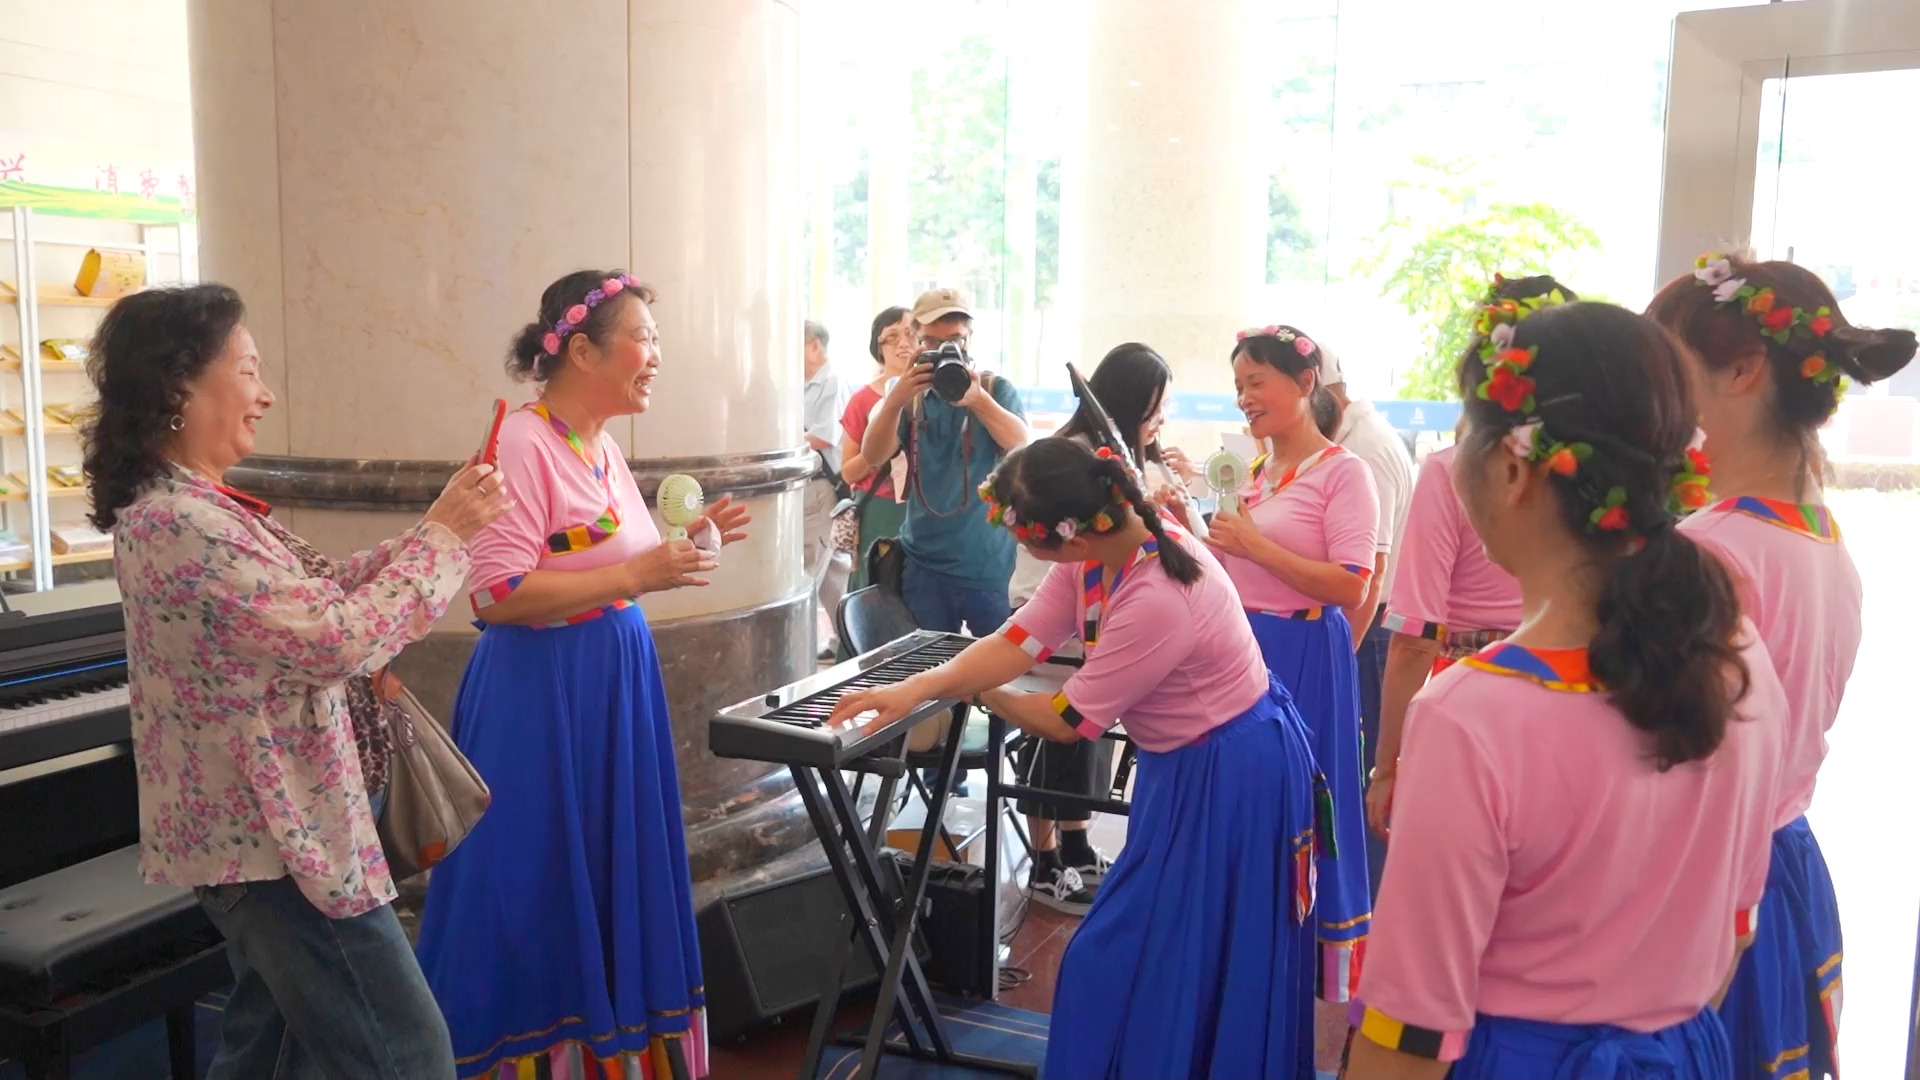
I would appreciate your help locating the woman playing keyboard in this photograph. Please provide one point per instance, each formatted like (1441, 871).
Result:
(1196, 958)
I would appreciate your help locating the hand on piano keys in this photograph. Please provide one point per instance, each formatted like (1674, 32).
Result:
(881, 705)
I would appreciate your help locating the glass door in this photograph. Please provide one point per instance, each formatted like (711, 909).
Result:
(1790, 131)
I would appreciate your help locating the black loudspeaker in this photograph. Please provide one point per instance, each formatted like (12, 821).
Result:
(958, 905)
(765, 950)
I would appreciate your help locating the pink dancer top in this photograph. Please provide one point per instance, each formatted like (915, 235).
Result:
(576, 507)
(1542, 868)
(1444, 582)
(1798, 584)
(1177, 661)
(1324, 509)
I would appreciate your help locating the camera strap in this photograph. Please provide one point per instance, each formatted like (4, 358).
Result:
(966, 462)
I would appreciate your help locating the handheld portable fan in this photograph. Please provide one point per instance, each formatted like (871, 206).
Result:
(681, 501)
(1227, 473)
(1103, 430)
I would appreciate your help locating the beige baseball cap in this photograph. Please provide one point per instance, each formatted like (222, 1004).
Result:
(937, 304)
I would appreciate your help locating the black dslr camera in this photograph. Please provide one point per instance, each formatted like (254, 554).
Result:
(952, 370)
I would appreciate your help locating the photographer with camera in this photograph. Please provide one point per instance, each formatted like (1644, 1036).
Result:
(956, 423)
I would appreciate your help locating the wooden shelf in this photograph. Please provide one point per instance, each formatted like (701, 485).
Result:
(17, 489)
(57, 296)
(10, 361)
(12, 565)
(10, 426)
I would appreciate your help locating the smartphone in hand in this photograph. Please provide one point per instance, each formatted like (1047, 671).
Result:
(490, 449)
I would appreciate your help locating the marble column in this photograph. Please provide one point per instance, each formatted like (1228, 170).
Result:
(391, 186)
(1171, 186)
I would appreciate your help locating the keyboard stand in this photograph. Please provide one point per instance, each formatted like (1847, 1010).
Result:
(884, 930)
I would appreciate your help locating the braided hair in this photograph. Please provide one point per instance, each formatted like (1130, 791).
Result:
(1052, 480)
(1608, 386)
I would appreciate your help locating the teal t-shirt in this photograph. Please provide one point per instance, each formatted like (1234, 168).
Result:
(946, 528)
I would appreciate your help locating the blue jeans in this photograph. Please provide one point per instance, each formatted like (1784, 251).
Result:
(1371, 661)
(940, 603)
(315, 997)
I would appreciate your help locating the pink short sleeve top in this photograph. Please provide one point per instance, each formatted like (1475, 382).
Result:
(1543, 869)
(1444, 582)
(1323, 509)
(1175, 660)
(1798, 584)
(576, 507)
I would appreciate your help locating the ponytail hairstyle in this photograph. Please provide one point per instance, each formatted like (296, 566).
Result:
(1291, 352)
(1054, 489)
(1130, 381)
(583, 302)
(1732, 306)
(1596, 397)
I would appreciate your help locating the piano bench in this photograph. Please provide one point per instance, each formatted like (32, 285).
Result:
(90, 951)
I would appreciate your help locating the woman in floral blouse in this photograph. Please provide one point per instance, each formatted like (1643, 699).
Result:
(260, 744)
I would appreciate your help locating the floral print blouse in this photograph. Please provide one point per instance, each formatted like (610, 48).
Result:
(237, 662)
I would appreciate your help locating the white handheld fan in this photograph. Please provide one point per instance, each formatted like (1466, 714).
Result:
(1227, 473)
(681, 501)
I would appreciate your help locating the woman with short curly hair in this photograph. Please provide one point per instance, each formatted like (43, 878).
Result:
(259, 740)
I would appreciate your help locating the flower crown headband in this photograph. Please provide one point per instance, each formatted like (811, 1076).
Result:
(1302, 344)
(1778, 322)
(1509, 386)
(1066, 529)
(576, 315)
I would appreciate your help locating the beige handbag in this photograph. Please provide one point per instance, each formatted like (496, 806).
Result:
(434, 796)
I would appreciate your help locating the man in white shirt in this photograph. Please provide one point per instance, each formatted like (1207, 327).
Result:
(1367, 434)
(826, 398)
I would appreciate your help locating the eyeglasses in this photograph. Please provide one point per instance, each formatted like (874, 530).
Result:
(934, 342)
(891, 340)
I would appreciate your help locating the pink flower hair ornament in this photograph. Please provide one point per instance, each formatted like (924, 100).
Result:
(576, 316)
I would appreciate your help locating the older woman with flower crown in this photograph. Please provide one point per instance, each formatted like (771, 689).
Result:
(560, 937)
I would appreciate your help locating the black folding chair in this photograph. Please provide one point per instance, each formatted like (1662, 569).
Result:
(869, 618)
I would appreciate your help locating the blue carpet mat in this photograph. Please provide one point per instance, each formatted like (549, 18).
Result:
(976, 1027)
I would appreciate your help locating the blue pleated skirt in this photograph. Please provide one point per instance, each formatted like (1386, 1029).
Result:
(1196, 959)
(1501, 1048)
(1783, 1009)
(562, 929)
(1313, 658)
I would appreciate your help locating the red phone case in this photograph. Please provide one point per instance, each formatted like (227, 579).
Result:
(490, 450)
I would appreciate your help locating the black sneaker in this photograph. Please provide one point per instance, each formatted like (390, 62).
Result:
(1094, 872)
(1060, 888)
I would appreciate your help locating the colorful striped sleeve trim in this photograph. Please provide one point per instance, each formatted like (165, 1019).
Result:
(1745, 922)
(1364, 572)
(487, 596)
(1406, 1038)
(1028, 643)
(1398, 623)
(1086, 728)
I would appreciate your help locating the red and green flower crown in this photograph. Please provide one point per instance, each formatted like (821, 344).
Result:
(1779, 322)
(1104, 521)
(1509, 383)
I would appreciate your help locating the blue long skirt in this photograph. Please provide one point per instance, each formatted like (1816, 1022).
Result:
(1501, 1048)
(1783, 1007)
(563, 927)
(1196, 959)
(1313, 658)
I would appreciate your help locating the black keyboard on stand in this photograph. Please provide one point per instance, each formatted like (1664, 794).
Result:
(790, 726)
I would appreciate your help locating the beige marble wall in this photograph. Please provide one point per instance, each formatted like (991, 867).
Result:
(1174, 227)
(391, 186)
